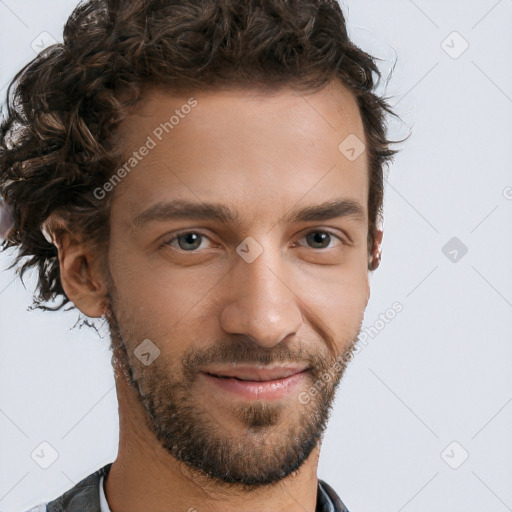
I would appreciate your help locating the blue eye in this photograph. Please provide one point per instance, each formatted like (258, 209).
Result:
(318, 237)
(190, 241)
(187, 241)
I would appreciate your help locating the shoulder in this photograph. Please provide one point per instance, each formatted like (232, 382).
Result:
(83, 497)
(328, 495)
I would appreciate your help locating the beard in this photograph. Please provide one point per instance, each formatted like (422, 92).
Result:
(259, 442)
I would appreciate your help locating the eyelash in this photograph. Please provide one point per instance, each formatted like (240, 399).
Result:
(198, 232)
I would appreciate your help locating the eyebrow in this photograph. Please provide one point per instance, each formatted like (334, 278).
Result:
(180, 209)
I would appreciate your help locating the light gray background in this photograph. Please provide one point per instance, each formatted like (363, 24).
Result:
(439, 372)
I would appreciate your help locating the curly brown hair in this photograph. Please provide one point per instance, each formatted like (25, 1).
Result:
(57, 141)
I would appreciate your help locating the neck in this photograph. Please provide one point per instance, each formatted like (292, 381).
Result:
(146, 477)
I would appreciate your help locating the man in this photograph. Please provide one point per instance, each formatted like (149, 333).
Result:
(250, 131)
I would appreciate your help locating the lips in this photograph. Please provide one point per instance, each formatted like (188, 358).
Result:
(255, 373)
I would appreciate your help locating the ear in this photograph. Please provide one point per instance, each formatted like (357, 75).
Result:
(374, 257)
(80, 274)
(376, 251)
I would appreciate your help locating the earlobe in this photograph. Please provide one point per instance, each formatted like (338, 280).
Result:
(80, 276)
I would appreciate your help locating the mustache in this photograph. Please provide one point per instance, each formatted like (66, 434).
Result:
(241, 350)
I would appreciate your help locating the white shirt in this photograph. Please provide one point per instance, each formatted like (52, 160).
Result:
(103, 500)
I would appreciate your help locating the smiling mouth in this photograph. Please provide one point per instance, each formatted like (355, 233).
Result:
(253, 383)
(251, 373)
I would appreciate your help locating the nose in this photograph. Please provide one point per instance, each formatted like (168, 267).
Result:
(261, 301)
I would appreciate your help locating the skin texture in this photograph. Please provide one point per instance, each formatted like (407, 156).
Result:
(185, 445)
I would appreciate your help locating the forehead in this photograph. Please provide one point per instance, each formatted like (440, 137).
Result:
(256, 150)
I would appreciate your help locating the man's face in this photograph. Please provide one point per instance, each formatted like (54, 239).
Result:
(256, 295)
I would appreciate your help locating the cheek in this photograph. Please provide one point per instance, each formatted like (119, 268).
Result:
(148, 283)
(340, 301)
(160, 301)
(347, 300)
